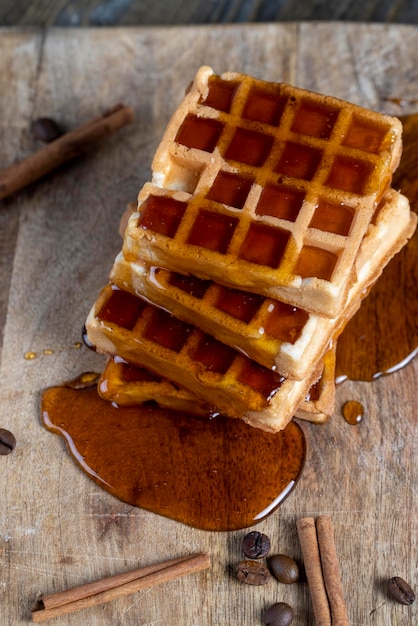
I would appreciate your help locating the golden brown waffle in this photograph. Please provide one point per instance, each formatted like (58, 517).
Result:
(127, 385)
(319, 404)
(265, 187)
(229, 382)
(271, 332)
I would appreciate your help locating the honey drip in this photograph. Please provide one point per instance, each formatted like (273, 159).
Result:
(382, 337)
(214, 474)
(353, 412)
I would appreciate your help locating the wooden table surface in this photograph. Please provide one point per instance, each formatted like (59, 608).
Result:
(57, 243)
(182, 12)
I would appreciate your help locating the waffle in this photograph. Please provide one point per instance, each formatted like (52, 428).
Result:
(122, 324)
(131, 207)
(265, 187)
(126, 385)
(319, 403)
(271, 332)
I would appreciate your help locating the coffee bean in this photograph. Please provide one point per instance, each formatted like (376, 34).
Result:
(400, 590)
(252, 573)
(255, 545)
(280, 614)
(7, 441)
(46, 129)
(283, 568)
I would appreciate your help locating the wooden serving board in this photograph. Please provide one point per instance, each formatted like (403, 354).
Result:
(58, 240)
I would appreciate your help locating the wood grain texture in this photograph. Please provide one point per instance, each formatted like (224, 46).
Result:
(58, 240)
(48, 13)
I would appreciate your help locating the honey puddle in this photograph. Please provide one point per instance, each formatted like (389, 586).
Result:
(220, 474)
(214, 474)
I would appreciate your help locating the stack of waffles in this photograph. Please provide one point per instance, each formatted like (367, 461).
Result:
(268, 218)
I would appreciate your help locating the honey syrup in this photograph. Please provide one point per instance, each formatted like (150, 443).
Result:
(210, 473)
(353, 412)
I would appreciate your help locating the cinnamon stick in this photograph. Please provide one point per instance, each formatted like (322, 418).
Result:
(110, 588)
(312, 561)
(97, 586)
(331, 570)
(69, 146)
